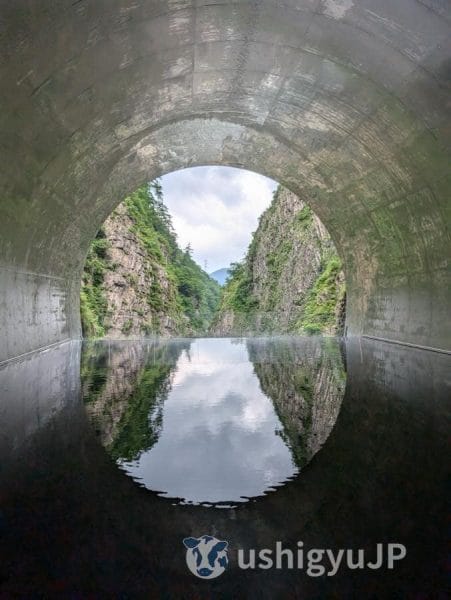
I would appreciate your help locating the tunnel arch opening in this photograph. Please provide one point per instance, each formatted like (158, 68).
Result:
(359, 240)
(144, 275)
(195, 143)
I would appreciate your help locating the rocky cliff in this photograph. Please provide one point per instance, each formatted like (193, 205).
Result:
(291, 280)
(138, 282)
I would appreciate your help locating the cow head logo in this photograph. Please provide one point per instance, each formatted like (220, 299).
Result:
(206, 556)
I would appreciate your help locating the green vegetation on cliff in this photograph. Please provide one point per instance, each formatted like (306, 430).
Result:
(176, 290)
(93, 304)
(291, 280)
(325, 301)
(237, 294)
(196, 293)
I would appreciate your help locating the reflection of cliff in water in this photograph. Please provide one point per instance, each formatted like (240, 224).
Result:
(305, 378)
(124, 387)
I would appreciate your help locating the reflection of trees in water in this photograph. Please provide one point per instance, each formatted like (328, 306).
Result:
(305, 379)
(125, 385)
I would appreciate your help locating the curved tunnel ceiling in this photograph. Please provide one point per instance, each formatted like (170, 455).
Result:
(345, 102)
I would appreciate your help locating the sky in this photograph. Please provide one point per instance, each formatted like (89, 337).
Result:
(216, 210)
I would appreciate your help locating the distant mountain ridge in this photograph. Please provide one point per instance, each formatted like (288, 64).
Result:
(220, 275)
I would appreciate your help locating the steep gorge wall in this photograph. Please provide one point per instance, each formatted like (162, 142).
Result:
(291, 280)
(138, 282)
(129, 283)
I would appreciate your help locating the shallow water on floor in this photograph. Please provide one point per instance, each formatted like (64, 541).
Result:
(209, 420)
(370, 468)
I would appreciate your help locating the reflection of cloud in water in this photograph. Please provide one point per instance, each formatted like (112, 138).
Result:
(212, 420)
(218, 440)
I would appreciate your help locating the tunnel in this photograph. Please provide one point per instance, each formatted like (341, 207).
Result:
(344, 102)
(347, 103)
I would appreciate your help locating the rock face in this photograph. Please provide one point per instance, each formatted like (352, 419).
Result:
(291, 280)
(138, 282)
(127, 286)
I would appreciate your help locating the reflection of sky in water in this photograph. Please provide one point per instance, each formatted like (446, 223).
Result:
(218, 440)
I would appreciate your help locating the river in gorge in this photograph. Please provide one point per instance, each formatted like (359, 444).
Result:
(115, 452)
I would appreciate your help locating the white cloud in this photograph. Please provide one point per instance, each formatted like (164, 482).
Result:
(216, 209)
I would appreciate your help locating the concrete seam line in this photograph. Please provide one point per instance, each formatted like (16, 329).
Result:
(31, 273)
(40, 349)
(410, 345)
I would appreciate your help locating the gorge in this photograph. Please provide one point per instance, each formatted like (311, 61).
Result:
(291, 280)
(138, 282)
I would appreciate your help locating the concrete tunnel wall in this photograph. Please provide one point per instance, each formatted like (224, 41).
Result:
(345, 102)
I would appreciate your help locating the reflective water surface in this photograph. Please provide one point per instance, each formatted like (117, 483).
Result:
(73, 525)
(213, 421)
